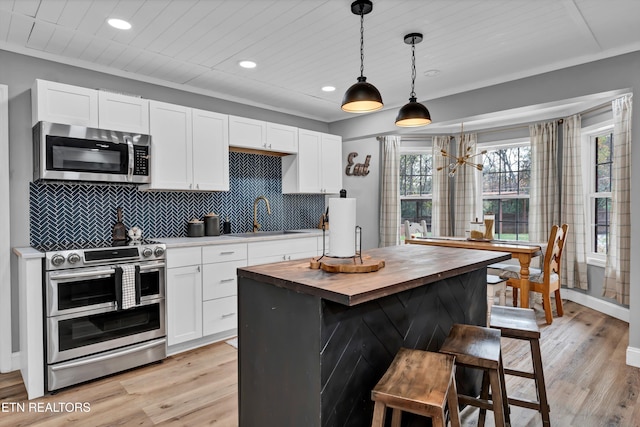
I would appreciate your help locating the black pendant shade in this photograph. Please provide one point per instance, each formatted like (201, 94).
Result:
(362, 97)
(413, 114)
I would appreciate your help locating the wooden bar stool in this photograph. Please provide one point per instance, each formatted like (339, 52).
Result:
(520, 323)
(479, 347)
(420, 382)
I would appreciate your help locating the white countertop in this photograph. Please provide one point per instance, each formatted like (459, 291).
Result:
(181, 242)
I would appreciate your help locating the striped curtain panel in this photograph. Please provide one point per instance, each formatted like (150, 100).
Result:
(543, 192)
(441, 206)
(572, 207)
(464, 198)
(618, 265)
(390, 192)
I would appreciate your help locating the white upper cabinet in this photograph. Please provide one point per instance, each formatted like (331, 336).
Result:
(210, 151)
(123, 112)
(62, 103)
(331, 161)
(73, 105)
(190, 148)
(282, 138)
(317, 168)
(263, 136)
(171, 146)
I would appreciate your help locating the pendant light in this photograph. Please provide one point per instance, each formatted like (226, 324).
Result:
(362, 97)
(413, 114)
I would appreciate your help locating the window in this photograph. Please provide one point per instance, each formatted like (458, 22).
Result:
(602, 197)
(506, 177)
(599, 143)
(416, 180)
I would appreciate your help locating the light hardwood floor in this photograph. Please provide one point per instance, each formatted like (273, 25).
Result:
(588, 383)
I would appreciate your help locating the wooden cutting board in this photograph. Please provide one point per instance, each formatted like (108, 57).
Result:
(347, 265)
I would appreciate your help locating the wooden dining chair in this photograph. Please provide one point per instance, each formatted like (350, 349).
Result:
(543, 281)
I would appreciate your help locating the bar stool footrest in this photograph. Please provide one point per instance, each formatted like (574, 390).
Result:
(475, 402)
(524, 403)
(522, 374)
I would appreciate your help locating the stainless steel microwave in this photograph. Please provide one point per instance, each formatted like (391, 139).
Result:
(78, 153)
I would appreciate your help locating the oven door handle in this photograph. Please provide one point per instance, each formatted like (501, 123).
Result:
(107, 356)
(82, 274)
(100, 273)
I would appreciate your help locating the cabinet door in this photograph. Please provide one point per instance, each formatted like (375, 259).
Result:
(331, 163)
(184, 304)
(309, 173)
(246, 133)
(281, 138)
(62, 103)
(122, 112)
(210, 151)
(171, 146)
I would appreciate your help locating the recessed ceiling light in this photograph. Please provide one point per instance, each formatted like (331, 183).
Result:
(247, 64)
(119, 24)
(328, 88)
(431, 73)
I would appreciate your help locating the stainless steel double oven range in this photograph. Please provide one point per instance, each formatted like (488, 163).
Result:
(87, 334)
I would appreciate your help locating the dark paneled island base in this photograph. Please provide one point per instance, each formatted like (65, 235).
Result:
(307, 360)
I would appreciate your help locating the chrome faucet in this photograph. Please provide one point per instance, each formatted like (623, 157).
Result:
(257, 226)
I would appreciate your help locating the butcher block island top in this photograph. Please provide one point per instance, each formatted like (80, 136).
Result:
(406, 267)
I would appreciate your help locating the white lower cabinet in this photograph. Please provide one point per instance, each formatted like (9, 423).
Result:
(184, 304)
(220, 315)
(201, 291)
(202, 285)
(220, 287)
(282, 250)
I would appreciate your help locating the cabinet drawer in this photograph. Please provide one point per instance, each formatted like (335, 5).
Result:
(181, 257)
(221, 279)
(280, 258)
(222, 253)
(282, 247)
(219, 315)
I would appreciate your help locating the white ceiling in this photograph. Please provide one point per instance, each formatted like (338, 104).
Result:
(302, 45)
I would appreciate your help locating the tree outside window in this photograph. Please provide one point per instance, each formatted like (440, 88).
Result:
(602, 197)
(506, 178)
(416, 180)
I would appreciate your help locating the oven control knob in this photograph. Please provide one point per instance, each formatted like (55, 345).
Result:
(73, 258)
(147, 252)
(159, 251)
(57, 260)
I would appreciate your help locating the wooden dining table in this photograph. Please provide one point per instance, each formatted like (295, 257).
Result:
(522, 251)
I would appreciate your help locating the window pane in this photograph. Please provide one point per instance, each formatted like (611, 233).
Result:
(507, 171)
(601, 241)
(603, 148)
(416, 179)
(603, 177)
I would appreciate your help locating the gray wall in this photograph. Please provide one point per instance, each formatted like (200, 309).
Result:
(19, 72)
(366, 189)
(611, 74)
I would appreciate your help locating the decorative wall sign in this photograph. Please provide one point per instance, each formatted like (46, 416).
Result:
(357, 169)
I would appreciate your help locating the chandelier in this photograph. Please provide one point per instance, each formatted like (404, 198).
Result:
(465, 156)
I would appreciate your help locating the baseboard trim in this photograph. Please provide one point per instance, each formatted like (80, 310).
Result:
(606, 307)
(633, 357)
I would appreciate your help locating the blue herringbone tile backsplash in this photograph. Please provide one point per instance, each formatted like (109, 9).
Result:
(74, 212)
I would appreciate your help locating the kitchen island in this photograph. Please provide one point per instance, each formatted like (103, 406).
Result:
(313, 344)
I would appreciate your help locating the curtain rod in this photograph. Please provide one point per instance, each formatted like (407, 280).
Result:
(417, 137)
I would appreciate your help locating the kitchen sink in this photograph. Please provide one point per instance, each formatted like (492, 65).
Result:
(266, 233)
